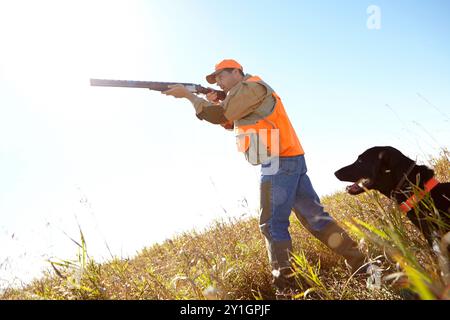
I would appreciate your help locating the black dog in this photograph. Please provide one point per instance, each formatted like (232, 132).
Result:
(387, 170)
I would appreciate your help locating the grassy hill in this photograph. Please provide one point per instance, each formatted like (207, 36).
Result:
(228, 261)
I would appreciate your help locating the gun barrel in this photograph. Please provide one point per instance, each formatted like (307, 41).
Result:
(152, 85)
(159, 86)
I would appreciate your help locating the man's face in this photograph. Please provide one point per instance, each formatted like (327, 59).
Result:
(228, 79)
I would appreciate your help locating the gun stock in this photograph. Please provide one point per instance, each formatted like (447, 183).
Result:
(157, 86)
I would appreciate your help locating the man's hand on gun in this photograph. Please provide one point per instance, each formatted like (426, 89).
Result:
(180, 91)
(212, 97)
(177, 91)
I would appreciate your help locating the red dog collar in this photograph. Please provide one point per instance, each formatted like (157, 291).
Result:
(416, 198)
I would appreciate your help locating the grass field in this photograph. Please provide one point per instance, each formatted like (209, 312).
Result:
(228, 261)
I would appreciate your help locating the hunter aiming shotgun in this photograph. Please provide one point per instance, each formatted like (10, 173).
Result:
(157, 86)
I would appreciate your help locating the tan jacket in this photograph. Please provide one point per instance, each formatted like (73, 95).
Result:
(242, 99)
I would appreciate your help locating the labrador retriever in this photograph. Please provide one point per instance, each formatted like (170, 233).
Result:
(398, 177)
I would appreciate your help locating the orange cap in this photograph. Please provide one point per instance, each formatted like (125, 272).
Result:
(224, 64)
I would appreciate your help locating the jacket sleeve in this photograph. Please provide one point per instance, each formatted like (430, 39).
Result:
(213, 113)
(242, 100)
(205, 110)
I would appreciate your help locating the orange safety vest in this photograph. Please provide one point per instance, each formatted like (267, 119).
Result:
(288, 144)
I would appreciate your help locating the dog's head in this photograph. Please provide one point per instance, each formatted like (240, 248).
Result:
(378, 168)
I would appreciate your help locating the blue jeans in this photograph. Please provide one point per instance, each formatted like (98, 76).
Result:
(286, 190)
(289, 189)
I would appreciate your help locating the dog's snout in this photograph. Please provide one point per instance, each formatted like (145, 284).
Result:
(338, 174)
(341, 174)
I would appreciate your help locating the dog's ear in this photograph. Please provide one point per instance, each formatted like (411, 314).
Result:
(383, 157)
(383, 165)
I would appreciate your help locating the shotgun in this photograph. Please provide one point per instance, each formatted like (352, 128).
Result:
(157, 86)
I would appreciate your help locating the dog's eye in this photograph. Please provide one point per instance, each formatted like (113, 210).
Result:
(360, 161)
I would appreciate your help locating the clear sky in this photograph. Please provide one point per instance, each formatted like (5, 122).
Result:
(133, 166)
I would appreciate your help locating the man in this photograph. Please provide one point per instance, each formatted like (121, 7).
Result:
(257, 113)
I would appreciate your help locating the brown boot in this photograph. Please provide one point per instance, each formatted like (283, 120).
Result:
(284, 283)
(334, 237)
(279, 256)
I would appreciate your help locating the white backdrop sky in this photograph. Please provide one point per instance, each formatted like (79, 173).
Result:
(133, 167)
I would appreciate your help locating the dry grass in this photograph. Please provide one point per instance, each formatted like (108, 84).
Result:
(229, 261)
